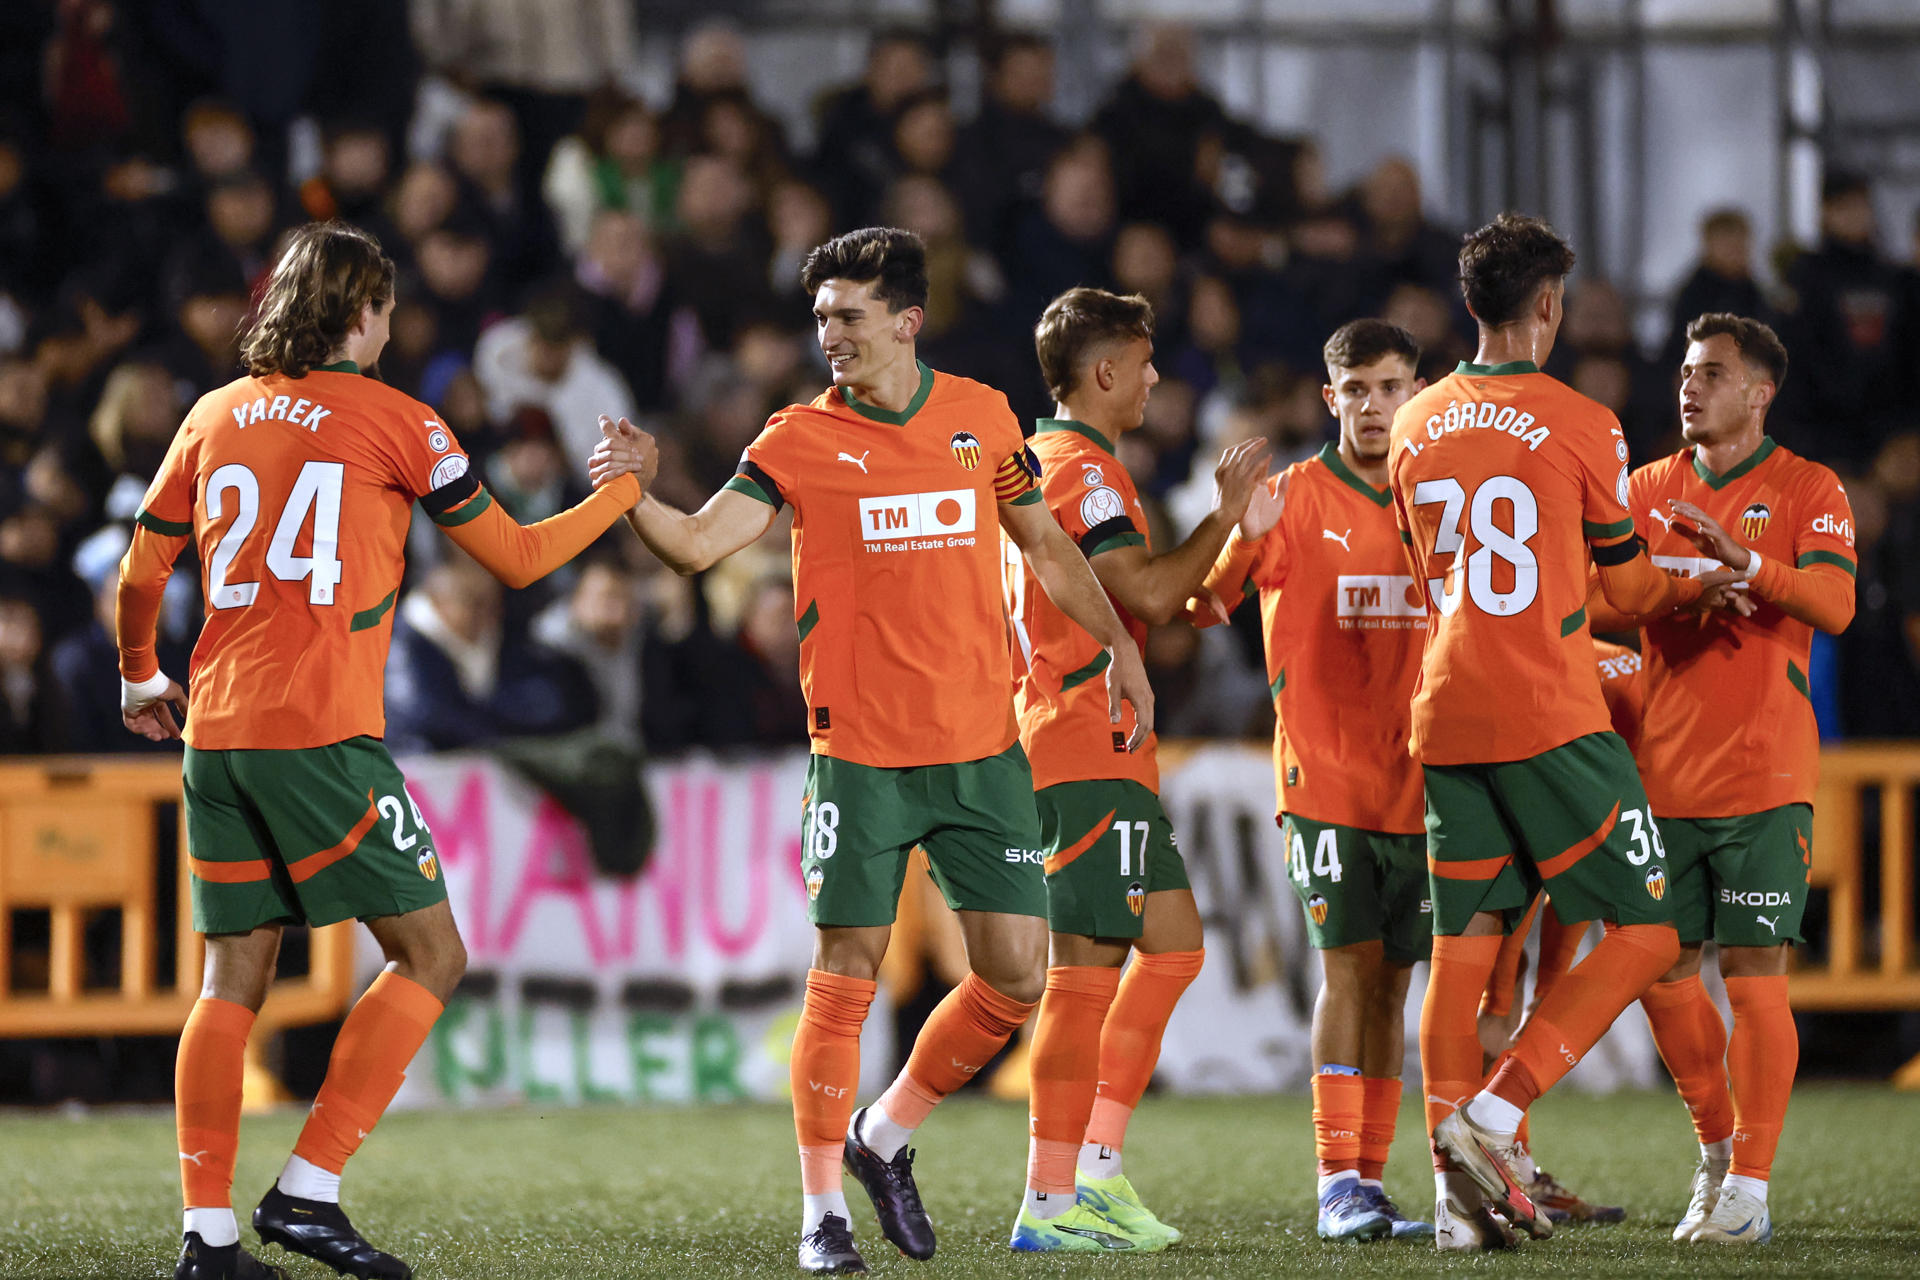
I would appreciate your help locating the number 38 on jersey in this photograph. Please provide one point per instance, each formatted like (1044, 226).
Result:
(1502, 575)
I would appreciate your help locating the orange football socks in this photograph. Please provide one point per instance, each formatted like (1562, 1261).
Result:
(1581, 1006)
(1064, 1067)
(961, 1036)
(1762, 1056)
(1379, 1115)
(1339, 1105)
(1692, 1041)
(370, 1056)
(207, 1075)
(825, 1070)
(1130, 1040)
(1450, 1056)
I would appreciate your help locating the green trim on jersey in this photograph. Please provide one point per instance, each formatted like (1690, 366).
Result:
(338, 366)
(1754, 459)
(1279, 683)
(1573, 622)
(1074, 679)
(1113, 542)
(470, 510)
(741, 484)
(888, 416)
(1497, 370)
(165, 528)
(1798, 679)
(1330, 454)
(1026, 499)
(809, 620)
(1827, 557)
(1046, 426)
(1591, 530)
(368, 618)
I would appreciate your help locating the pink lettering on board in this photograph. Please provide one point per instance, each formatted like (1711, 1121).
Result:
(733, 942)
(462, 843)
(556, 865)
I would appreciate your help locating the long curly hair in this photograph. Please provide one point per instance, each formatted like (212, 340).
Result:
(325, 279)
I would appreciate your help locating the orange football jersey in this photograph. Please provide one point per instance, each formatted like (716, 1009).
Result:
(1345, 626)
(904, 654)
(1729, 723)
(1060, 688)
(1502, 476)
(297, 493)
(1623, 685)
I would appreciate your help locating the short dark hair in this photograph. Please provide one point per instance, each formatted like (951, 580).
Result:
(1505, 262)
(1078, 321)
(1759, 345)
(327, 276)
(895, 258)
(1726, 218)
(1359, 343)
(1841, 184)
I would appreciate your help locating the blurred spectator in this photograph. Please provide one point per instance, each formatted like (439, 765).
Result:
(456, 282)
(456, 677)
(1068, 239)
(139, 411)
(217, 141)
(1846, 331)
(716, 265)
(629, 312)
(486, 151)
(1405, 247)
(537, 58)
(713, 69)
(706, 690)
(854, 153)
(1147, 262)
(798, 219)
(1721, 281)
(86, 663)
(23, 417)
(356, 170)
(617, 161)
(1596, 355)
(526, 470)
(598, 624)
(1154, 125)
(423, 198)
(543, 358)
(1001, 156)
(1427, 316)
(210, 304)
(32, 716)
(31, 567)
(1879, 651)
(964, 332)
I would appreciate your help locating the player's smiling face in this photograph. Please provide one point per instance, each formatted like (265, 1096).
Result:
(1134, 378)
(860, 336)
(1364, 400)
(1719, 390)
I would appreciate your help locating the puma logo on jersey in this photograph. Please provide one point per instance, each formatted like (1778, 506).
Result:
(860, 462)
(1665, 520)
(1341, 538)
(1773, 925)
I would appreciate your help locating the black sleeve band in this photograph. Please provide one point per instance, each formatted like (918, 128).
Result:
(451, 494)
(1104, 530)
(1619, 552)
(756, 473)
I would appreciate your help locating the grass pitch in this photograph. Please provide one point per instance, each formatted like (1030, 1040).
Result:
(714, 1193)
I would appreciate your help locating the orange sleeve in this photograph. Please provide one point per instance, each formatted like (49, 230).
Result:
(1820, 595)
(1230, 580)
(144, 571)
(519, 554)
(1638, 588)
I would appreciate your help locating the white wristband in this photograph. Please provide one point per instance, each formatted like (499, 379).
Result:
(136, 694)
(1753, 565)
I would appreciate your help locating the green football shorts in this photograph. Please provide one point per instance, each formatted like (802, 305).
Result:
(1741, 881)
(1108, 846)
(1574, 818)
(311, 836)
(976, 820)
(1358, 886)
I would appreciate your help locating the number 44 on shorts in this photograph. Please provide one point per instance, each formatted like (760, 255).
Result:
(1326, 857)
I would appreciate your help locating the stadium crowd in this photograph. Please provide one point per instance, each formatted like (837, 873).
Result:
(568, 249)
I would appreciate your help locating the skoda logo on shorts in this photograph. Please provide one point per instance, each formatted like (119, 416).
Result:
(1137, 898)
(429, 865)
(815, 878)
(1656, 884)
(1317, 908)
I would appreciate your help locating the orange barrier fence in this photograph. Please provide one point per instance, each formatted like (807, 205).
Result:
(80, 837)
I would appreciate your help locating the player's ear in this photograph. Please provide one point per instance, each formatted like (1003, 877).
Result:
(1760, 395)
(907, 323)
(1103, 373)
(1326, 393)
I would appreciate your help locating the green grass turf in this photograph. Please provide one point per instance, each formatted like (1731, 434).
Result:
(714, 1192)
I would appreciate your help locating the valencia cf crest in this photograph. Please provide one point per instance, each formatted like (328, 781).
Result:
(429, 865)
(1137, 898)
(815, 878)
(1317, 908)
(1656, 884)
(966, 449)
(1753, 521)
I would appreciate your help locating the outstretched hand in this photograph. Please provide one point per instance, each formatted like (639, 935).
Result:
(1242, 467)
(1264, 511)
(155, 719)
(1707, 535)
(1127, 682)
(624, 449)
